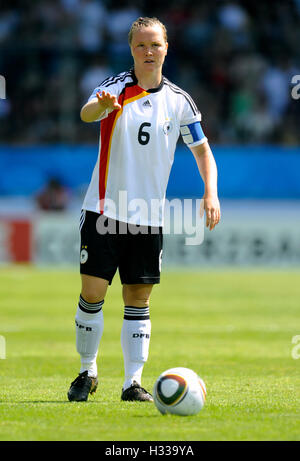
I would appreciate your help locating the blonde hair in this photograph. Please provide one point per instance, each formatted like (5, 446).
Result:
(146, 22)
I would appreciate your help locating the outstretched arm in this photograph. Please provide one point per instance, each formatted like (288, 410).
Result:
(95, 108)
(208, 170)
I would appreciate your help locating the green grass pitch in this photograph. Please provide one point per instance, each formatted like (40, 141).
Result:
(234, 328)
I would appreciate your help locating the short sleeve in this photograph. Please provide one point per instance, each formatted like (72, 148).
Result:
(190, 126)
(112, 89)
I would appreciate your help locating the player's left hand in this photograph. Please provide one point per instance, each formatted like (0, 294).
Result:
(211, 206)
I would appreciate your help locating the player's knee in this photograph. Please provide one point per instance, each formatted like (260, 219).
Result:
(137, 301)
(93, 289)
(92, 296)
(135, 295)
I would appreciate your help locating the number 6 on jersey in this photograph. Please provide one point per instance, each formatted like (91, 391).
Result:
(144, 136)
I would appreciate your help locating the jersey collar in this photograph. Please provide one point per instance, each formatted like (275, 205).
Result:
(151, 90)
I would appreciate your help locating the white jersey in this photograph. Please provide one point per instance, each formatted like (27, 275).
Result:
(136, 148)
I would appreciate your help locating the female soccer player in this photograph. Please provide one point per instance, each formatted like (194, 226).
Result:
(142, 114)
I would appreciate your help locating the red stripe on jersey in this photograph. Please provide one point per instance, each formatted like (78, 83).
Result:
(107, 125)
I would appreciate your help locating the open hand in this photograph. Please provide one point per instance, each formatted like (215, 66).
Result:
(108, 101)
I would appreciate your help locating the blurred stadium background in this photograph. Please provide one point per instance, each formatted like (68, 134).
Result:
(236, 58)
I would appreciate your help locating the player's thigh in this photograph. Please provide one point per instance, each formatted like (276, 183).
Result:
(137, 295)
(93, 289)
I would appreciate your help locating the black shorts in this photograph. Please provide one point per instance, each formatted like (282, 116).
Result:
(107, 245)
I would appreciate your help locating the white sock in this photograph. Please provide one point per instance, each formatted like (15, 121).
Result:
(135, 340)
(89, 328)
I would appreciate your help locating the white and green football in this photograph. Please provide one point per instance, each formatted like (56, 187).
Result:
(179, 391)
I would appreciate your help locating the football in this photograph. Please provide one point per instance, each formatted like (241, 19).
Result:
(179, 391)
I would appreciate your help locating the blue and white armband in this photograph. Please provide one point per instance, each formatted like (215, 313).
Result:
(192, 134)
